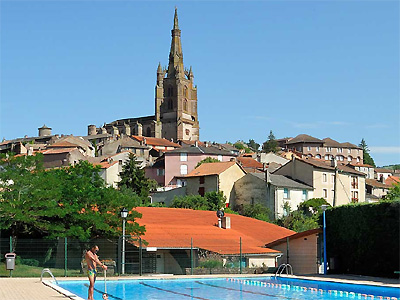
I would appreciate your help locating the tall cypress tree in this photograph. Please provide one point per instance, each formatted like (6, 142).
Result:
(132, 177)
(367, 159)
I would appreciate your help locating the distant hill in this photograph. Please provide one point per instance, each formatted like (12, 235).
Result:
(392, 167)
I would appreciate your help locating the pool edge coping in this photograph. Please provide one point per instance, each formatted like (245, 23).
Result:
(61, 290)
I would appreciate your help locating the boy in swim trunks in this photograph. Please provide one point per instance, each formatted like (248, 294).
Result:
(92, 260)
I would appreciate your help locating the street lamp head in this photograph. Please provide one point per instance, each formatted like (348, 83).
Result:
(124, 213)
(324, 207)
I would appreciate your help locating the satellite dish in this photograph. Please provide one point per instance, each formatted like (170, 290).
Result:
(220, 213)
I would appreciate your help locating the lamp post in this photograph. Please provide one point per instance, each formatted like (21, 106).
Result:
(124, 215)
(324, 207)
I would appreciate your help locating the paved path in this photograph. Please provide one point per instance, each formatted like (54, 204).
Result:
(33, 289)
(27, 289)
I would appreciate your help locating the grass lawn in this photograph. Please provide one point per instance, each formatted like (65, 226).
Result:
(29, 271)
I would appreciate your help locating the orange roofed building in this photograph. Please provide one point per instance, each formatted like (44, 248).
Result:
(169, 232)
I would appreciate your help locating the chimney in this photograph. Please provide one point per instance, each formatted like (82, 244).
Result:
(144, 141)
(226, 222)
(30, 151)
(196, 144)
(333, 162)
(267, 177)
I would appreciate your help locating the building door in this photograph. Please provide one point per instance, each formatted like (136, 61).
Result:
(160, 263)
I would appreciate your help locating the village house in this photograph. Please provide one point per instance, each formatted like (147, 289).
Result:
(325, 177)
(175, 164)
(375, 190)
(325, 149)
(382, 174)
(272, 191)
(125, 143)
(368, 170)
(301, 250)
(214, 177)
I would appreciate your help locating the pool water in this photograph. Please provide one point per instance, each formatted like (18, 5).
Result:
(231, 289)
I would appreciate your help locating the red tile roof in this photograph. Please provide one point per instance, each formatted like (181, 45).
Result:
(105, 164)
(206, 169)
(58, 151)
(156, 141)
(62, 144)
(294, 236)
(392, 180)
(376, 183)
(248, 162)
(174, 228)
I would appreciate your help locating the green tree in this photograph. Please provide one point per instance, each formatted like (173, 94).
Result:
(367, 159)
(133, 177)
(271, 145)
(69, 202)
(253, 145)
(207, 160)
(210, 201)
(394, 193)
(299, 220)
(256, 211)
(238, 145)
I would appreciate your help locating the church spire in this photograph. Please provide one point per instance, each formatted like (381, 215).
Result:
(176, 26)
(175, 65)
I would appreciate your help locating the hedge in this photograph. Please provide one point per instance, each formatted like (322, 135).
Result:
(363, 239)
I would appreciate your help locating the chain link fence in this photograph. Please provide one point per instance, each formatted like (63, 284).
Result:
(65, 257)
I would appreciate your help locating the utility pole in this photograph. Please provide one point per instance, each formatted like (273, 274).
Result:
(334, 164)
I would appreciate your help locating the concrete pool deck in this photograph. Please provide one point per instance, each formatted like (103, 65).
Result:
(33, 289)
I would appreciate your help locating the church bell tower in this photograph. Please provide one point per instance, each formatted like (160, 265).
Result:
(176, 95)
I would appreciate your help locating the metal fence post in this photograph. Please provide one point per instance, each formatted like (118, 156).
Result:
(191, 256)
(140, 257)
(65, 257)
(119, 257)
(240, 258)
(11, 250)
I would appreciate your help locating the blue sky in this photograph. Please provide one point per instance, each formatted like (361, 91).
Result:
(324, 68)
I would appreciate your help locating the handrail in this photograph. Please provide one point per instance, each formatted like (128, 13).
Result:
(283, 267)
(47, 271)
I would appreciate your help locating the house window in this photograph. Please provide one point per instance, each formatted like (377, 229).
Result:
(328, 149)
(184, 169)
(220, 157)
(354, 182)
(170, 104)
(325, 193)
(201, 179)
(185, 105)
(340, 150)
(309, 148)
(317, 149)
(183, 156)
(358, 159)
(324, 177)
(349, 158)
(318, 156)
(120, 162)
(354, 196)
(304, 195)
(327, 156)
(160, 172)
(286, 193)
(349, 151)
(201, 191)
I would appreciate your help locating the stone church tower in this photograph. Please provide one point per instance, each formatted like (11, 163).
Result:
(176, 95)
(175, 103)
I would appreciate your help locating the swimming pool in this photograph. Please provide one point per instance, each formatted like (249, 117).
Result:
(231, 289)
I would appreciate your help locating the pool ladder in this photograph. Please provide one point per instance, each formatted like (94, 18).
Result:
(283, 267)
(47, 271)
